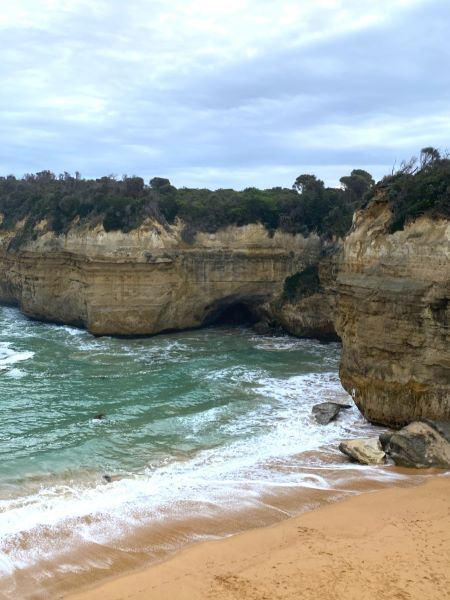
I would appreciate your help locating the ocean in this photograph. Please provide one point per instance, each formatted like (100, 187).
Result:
(116, 452)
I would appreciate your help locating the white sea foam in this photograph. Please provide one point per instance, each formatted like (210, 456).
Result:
(16, 373)
(72, 330)
(9, 357)
(234, 475)
(219, 447)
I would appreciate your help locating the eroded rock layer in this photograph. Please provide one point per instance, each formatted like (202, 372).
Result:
(393, 316)
(148, 280)
(312, 313)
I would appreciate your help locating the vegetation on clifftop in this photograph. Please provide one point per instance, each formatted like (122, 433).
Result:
(302, 284)
(123, 204)
(417, 188)
(420, 187)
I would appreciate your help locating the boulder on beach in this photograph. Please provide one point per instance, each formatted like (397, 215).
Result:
(367, 451)
(420, 444)
(325, 412)
(442, 427)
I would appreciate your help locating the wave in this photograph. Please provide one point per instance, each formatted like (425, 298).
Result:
(198, 425)
(9, 357)
(279, 431)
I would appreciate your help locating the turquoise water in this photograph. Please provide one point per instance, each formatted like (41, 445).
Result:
(162, 397)
(197, 425)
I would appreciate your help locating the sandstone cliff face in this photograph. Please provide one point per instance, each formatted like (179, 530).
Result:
(393, 315)
(312, 315)
(148, 280)
(387, 296)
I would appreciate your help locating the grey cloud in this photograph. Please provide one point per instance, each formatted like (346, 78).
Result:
(81, 96)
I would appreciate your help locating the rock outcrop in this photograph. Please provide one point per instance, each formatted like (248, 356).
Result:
(325, 412)
(148, 280)
(418, 445)
(367, 451)
(312, 312)
(393, 316)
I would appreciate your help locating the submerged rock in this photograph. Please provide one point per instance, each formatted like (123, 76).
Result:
(325, 412)
(111, 478)
(419, 445)
(367, 451)
(100, 417)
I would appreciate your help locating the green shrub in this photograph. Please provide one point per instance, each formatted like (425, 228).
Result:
(123, 204)
(419, 187)
(302, 284)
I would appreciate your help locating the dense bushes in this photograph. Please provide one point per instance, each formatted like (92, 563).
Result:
(308, 207)
(420, 187)
(123, 204)
(119, 204)
(301, 284)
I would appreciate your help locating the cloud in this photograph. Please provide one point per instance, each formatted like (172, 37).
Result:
(230, 93)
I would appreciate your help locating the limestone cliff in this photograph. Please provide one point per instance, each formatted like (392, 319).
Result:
(310, 312)
(386, 295)
(148, 280)
(393, 315)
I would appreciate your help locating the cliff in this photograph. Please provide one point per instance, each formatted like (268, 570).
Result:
(387, 295)
(393, 315)
(308, 310)
(148, 280)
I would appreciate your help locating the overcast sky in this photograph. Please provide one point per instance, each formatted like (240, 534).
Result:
(222, 93)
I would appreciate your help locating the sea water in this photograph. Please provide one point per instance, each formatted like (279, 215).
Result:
(203, 433)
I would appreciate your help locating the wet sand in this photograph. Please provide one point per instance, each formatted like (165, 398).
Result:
(392, 544)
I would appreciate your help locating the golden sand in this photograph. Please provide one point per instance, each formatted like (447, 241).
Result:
(392, 544)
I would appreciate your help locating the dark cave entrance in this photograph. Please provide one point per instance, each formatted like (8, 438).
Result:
(234, 311)
(235, 315)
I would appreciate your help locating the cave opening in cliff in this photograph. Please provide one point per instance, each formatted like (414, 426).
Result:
(234, 315)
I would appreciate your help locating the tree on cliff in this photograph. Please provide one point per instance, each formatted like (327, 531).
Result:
(428, 157)
(357, 184)
(327, 211)
(418, 188)
(162, 185)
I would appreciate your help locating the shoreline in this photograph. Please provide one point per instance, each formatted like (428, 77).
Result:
(392, 543)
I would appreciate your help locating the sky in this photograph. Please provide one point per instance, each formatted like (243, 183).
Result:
(222, 93)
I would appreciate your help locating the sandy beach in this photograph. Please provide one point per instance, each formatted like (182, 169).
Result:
(389, 544)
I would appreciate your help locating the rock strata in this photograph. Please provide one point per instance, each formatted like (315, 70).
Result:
(393, 316)
(149, 280)
(312, 313)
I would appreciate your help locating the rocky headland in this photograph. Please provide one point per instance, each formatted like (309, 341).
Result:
(307, 306)
(393, 316)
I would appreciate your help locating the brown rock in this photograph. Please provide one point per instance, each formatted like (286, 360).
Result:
(393, 316)
(312, 315)
(417, 445)
(325, 412)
